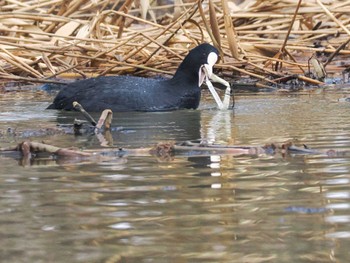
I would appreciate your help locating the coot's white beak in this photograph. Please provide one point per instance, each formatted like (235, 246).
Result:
(206, 70)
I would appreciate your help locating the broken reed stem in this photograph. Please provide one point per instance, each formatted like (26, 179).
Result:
(294, 60)
(87, 116)
(47, 62)
(213, 37)
(18, 63)
(245, 72)
(310, 80)
(214, 24)
(27, 79)
(264, 69)
(92, 58)
(326, 50)
(229, 29)
(121, 20)
(92, 40)
(161, 45)
(195, 7)
(36, 6)
(264, 58)
(68, 67)
(283, 47)
(294, 32)
(342, 46)
(290, 26)
(340, 24)
(105, 119)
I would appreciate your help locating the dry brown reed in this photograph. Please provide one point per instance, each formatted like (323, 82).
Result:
(264, 39)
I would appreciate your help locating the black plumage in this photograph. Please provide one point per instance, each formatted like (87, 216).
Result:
(129, 93)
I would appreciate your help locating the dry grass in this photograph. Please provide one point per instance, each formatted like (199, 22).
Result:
(42, 39)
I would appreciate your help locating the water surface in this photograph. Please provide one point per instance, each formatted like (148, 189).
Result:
(293, 208)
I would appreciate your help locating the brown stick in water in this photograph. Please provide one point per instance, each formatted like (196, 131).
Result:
(80, 108)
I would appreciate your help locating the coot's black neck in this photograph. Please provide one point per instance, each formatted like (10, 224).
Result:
(187, 73)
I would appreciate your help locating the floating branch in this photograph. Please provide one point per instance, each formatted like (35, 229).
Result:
(165, 151)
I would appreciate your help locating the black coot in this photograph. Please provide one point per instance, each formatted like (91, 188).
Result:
(128, 93)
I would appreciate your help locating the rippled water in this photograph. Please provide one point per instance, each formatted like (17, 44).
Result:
(293, 208)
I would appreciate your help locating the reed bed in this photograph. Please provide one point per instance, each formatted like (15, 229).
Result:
(267, 40)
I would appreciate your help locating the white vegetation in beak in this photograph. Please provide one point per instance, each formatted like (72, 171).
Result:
(206, 73)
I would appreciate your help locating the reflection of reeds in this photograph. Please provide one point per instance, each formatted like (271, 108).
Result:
(47, 38)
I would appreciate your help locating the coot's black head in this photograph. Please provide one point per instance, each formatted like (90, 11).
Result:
(191, 68)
